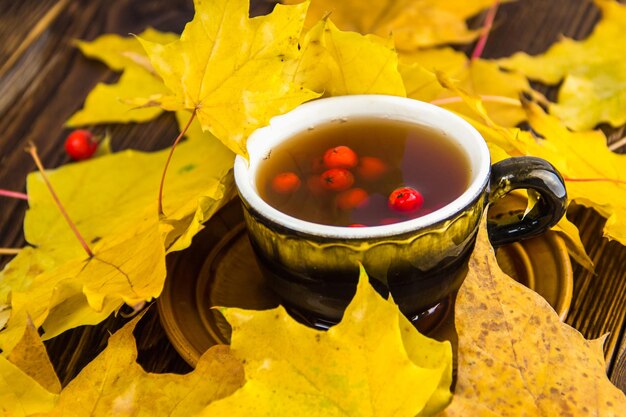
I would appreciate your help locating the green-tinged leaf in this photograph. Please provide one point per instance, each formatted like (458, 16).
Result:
(112, 200)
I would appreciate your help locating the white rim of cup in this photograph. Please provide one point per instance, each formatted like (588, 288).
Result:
(334, 109)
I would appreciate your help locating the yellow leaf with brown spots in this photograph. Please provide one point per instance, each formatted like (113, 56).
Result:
(515, 357)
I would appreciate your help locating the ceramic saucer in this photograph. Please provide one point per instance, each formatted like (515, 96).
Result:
(219, 269)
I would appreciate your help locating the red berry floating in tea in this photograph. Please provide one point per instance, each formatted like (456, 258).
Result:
(352, 198)
(340, 157)
(405, 200)
(286, 183)
(371, 168)
(315, 185)
(337, 179)
(317, 165)
(349, 168)
(80, 145)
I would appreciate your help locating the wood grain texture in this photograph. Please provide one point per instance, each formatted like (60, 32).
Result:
(43, 80)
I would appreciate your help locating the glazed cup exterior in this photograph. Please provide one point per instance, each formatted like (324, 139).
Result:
(314, 268)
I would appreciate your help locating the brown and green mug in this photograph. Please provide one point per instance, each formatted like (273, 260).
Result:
(314, 268)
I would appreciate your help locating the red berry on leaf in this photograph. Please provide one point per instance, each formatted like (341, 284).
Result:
(352, 198)
(80, 145)
(340, 157)
(371, 168)
(337, 179)
(405, 199)
(286, 183)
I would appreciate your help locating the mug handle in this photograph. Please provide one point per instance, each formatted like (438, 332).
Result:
(530, 173)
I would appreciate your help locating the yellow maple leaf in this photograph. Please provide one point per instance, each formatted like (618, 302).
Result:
(114, 384)
(109, 103)
(119, 52)
(594, 72)
(500, 90)
(570, 234)
(364, 366)
(112, 103)
(413, 23)
(341, 63)
(506, 142)
(595, 175)
(515, 357)
(28, 383)
(112, 200)
(229, 68)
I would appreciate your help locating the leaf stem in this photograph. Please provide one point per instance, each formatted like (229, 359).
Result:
(492, 99)
(169, 158)
(32, 150)
(487, 25)
(9, 251)
(13, 194)
(616, 145)
(568, 179)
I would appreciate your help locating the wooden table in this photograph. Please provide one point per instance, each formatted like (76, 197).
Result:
(44, 79)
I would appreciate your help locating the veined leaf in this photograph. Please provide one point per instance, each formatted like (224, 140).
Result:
(360, 367)
(593, 72)
(500, 90)
(516, 357)
(341, 63)
(112, 200)
(114, 384)
(413, 23)
(229, 68)
(111, 103)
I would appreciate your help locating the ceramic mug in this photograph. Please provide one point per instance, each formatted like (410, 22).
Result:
(313, 268)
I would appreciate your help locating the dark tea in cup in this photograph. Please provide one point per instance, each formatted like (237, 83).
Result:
(363, 172)
(417, 176)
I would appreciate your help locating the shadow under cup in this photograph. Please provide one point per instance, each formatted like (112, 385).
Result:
(314, 268)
